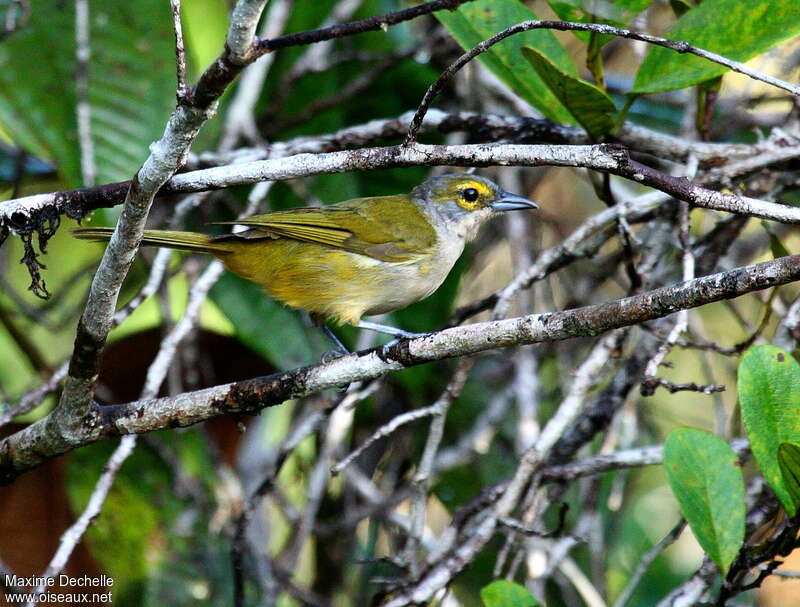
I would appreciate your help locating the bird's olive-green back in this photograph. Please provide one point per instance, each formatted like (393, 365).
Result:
(388, 228)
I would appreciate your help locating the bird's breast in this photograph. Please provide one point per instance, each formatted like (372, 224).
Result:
(412, 281)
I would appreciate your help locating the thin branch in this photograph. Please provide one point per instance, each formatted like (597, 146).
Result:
(422, 478)
(33, 398)
(369, 24)
(384, 431)
(621, 460)
(603, 157)
(439, 575)
(73, 535)
(525, 26)
(180, 52)
(590, 595)
(509, 129)
(681, 318)
(646, 560)
(787, 574)
(650, 384)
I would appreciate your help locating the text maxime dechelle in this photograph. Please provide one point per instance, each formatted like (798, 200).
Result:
(63, 581)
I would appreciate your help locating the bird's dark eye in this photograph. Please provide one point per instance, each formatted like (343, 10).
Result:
(470, 194)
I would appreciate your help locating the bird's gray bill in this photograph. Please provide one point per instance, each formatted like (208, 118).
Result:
(512, 202)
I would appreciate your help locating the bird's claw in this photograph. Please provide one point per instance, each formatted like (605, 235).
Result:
(332, 355)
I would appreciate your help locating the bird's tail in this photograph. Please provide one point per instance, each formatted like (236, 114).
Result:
(184, 241)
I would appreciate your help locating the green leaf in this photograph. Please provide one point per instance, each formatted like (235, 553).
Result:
(732, 28)
(592, 108)
(502, 593)
(475, 21)
(706, 478)
(789, 462)
(262, 323)
(131, 84)
(769, 394)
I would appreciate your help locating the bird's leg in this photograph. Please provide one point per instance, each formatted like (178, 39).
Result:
(386, 329)
(339, 348)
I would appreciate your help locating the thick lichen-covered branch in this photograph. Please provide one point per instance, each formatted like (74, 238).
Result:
(44, 439)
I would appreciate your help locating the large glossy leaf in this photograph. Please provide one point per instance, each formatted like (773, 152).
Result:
(131, 84)
(706, 478)
(769, 394)
(592, 108)
(735, 29)
(502, 593)
(476, 21)
(263, 324)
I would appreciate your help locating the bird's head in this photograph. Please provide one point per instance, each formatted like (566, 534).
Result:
(462, 202)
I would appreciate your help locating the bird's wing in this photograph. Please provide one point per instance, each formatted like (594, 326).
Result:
(388, 228)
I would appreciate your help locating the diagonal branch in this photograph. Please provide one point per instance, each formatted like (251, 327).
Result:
(597, 28)
(42, 440)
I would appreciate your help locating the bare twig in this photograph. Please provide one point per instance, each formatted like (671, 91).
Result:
(682, 318)
(422, 478)
(356, 27)
(646, 560)
(180, 52)
(385, 430)
(440, 573)
(629, 458)
(650, 384)
(73, 535)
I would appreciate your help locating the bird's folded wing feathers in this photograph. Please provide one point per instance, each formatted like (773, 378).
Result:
(366, 230)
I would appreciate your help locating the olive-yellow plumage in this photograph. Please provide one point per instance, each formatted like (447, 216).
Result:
(356, 258)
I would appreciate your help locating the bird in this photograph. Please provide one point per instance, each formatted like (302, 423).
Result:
(356, 258)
